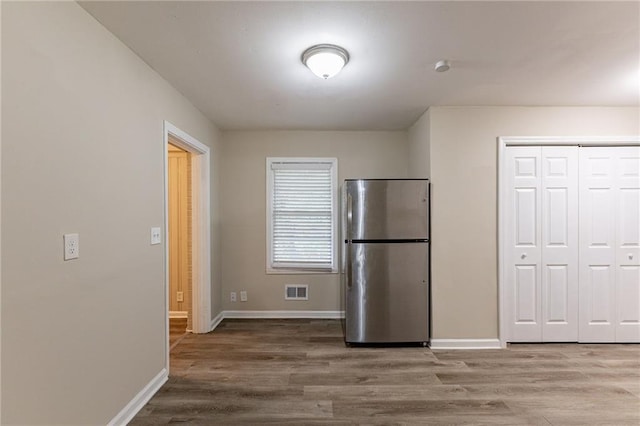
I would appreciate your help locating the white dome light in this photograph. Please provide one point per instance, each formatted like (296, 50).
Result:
(325, 60)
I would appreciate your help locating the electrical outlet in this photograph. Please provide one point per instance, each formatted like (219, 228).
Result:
(155, 236)
(180, 296)
(243, 296)
(71, 246)
(234, 297)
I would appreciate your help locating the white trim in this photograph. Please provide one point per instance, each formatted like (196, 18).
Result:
(138, 402)
(178, 314)
(299, 271)
(503, 143)
(184, 140)
(284, 314)
(201, 233)
(0, 227)
(568, 140)
(293, 269)
(465, 344)
(502, 212)
(216, 321)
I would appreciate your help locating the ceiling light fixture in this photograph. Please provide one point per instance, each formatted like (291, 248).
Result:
(442, 66)
(325, 60)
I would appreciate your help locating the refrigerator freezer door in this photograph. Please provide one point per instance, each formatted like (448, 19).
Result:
(387, 293)
(387, 209)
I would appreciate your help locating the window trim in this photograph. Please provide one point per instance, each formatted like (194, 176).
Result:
(270, 269)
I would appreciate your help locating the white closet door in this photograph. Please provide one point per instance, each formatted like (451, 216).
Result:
(597, 242)
(609, 268)
(627, 184)
(559, 271)
(523, 244)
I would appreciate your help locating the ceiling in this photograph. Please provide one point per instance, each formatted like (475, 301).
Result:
(239, 62)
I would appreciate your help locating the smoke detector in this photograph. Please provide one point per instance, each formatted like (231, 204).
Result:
(442, 66)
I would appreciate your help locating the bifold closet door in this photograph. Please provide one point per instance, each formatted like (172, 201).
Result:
(541, 252)
(523, 252)
(610, 244)
(560, 244)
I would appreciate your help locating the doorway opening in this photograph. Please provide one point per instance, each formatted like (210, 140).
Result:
(192, 279)
(179, 241)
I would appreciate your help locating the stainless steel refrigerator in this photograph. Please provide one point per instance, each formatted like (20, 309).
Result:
(385, 260)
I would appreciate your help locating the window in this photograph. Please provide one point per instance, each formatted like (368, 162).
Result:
(301, 214)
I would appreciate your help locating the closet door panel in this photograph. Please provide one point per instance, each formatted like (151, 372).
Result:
(627, 183)
(609, 234)
(628, 304)
(523, 244)
(559, 244)
(557, 302)
(597, 242)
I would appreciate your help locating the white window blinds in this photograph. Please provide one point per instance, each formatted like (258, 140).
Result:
(302, 213)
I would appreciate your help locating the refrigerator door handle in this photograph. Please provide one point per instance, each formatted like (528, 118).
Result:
(348, 272)
(348, 240)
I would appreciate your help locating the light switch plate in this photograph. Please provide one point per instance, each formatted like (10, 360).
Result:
(71, 246)
(155, 236)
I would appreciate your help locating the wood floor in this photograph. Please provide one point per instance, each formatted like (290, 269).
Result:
(299, 372)
(177, 330)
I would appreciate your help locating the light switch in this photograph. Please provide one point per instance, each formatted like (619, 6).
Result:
(155, 236)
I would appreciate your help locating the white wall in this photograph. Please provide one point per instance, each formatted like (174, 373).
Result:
(82, 151)
(419, 137)
(464, 214)
(360, 155)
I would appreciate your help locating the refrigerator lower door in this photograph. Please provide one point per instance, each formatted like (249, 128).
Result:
(387, 293)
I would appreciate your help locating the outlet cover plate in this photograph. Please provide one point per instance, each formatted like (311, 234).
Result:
(243, 296)
(71, 246)
(155, 236)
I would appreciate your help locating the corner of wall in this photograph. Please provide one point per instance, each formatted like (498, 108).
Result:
(419, 141)
(216, 219)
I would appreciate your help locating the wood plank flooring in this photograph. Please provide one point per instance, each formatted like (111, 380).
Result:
(177, 330)
(299, 372)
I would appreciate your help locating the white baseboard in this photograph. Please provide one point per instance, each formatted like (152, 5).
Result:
(216, 321)
(139, 401)
(284, 314)
(178, 314)
(465, 344)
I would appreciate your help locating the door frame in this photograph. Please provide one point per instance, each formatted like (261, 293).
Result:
(503, 143)
(200, 227)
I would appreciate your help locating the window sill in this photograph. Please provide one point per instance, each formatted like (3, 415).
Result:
(272, 271)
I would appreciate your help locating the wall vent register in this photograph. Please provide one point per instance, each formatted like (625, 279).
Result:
(296, 292)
